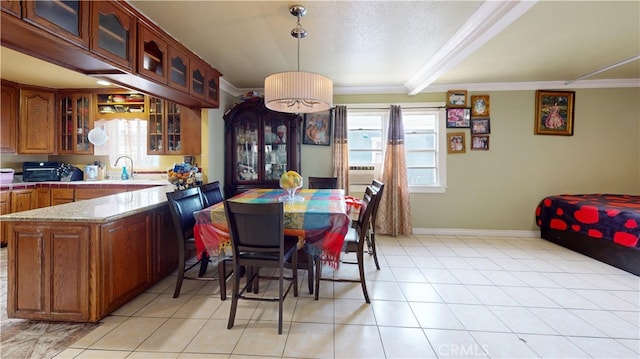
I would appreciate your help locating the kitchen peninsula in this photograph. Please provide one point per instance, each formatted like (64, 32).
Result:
(80, 261)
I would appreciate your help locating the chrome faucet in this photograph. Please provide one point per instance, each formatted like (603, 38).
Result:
(130, 168)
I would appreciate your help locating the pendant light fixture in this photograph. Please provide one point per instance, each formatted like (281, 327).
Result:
(298, 91)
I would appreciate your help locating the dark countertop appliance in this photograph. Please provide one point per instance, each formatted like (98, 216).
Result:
(45, 172)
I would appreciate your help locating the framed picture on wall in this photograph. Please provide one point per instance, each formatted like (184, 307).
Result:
(456, 143)
(480, 106)
(554, 113)
(480, 126)
(480, 142)
(456, 98)
(317, 128)
(458, 117)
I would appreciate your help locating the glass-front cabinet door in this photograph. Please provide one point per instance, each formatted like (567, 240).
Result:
(66, 19)
(275, 148)
(112, 28)
(156, 126)
(246, 140)
(75, 122)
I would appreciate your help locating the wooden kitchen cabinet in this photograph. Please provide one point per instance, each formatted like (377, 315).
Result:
(153, 52)
(212, 79)
(66, 19)
(9, 120)
(198, 78)
(75, 120)
(5, 208)
(62, 195)
(36, 127)
(165, 252)
(11, 7)
(179, 68)
(113, 33)
(44, 197)
(173, 129)
(23, 199)
(126, 255)
(47, 260)
(260, 145)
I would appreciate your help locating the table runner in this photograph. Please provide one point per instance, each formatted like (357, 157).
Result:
(320, 219)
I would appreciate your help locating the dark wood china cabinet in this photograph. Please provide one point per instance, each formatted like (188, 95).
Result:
(260, 145)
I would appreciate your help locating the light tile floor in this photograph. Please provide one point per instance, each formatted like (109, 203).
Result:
(434, 297)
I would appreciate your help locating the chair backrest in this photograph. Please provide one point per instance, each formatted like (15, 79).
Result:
(366, 207)
(255, 227)
(323, 182)
(378, 187)
(182, 204)
(211, 193)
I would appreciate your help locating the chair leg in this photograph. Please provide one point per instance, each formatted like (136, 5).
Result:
(294, 273)
(204, 264)
(180, 274)
(222, 277)
(318, 275)
(310, 270)
(373, 247)
(234, 297)
(280, 297)
(363, 282)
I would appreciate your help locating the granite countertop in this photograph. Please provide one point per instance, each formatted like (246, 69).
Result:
(98, 210)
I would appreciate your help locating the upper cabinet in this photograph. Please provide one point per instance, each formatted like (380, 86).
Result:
(121, 104)
(37, 128)
(172, 129)
(9, 119)
(75, 120)
(113, 33)
(66, 19)
(110, 39)
(179, 68)
(152, 54)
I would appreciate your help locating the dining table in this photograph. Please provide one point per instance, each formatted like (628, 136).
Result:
(319, 218)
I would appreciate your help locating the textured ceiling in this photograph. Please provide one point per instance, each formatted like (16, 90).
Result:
(397, 46)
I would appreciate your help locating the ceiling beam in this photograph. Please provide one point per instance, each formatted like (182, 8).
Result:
(489, 20)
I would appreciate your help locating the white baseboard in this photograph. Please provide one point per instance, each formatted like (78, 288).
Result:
(476, 232)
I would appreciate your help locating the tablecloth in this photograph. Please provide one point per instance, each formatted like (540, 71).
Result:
(320, 219)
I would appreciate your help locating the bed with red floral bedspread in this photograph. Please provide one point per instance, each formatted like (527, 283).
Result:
(602, 226)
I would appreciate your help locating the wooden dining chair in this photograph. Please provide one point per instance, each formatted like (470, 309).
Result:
(378, 187)
(257, 241)
(354, 242)
(211, 193)
(182, 204)
(323, 182)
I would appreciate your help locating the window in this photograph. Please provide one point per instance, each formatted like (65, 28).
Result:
(425, 151)
(127, 138)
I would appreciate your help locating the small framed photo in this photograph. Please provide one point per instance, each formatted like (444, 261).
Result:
(480, 106)
(480, 142)
(554, 113)
(480, 126)
(458, 117)
(457, 98)
(317, 128)
(456, 142)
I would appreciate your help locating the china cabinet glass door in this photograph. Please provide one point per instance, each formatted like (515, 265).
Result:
(275, 148)
(246, 134)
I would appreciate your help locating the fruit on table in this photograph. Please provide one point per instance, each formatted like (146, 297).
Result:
(290, 179)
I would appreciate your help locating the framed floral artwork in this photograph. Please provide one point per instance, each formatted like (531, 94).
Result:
(456, 98)
(458, 117)
(480, 106)
(456, 143)
(554, 113)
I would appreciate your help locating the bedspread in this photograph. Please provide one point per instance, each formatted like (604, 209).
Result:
(609, 217)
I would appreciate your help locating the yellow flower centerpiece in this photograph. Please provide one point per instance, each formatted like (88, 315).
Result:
(291, 181)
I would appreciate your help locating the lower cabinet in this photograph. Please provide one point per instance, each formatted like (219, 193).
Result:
(89, 193)
(61, 195)
(81, 272)
(126, 253)
(49, 272)
(5, 208)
